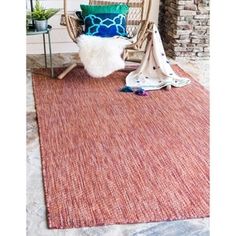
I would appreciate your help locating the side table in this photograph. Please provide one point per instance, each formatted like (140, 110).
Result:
(34, 32)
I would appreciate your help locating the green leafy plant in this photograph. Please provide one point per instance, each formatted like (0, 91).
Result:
(40, 13)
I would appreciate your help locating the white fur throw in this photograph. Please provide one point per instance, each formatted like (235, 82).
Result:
(101, 56)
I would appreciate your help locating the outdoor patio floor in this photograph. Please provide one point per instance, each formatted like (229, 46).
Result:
(36, 212)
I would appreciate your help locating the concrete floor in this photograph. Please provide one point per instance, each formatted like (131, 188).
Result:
(36, 212)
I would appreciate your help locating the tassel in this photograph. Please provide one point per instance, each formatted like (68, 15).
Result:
(141, 92)
(126, 89)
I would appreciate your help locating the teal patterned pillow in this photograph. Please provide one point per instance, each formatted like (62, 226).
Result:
(105, 21)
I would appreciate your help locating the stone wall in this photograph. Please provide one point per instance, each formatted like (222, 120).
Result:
(184, 28)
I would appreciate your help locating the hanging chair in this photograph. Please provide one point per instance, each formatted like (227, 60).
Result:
(137, 26)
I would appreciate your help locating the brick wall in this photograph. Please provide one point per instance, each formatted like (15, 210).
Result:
(184, 28)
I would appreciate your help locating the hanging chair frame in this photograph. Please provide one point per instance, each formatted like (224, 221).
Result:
(141, 25)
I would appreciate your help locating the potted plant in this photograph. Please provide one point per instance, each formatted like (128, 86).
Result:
(40, 15)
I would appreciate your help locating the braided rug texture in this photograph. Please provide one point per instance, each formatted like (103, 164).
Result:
(114, 158)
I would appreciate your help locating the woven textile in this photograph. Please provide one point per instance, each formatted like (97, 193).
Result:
(114, 158)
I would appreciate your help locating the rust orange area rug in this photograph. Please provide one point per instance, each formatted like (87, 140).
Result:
(115, 158)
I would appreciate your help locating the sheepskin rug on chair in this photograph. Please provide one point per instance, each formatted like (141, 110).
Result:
(101, 56)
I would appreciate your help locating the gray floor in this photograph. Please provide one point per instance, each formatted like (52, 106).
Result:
(36, 213)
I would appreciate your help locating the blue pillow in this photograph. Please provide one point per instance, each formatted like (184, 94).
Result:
(105, 25)
(106, 20)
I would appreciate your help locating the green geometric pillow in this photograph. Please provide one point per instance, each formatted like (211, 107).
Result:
(105, 20)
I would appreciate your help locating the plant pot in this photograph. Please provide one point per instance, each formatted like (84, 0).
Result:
(41, 25)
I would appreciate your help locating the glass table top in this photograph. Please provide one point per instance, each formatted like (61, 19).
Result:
(35, 32)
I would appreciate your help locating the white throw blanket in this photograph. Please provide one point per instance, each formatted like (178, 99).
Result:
(155, 71)
(101, 56)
